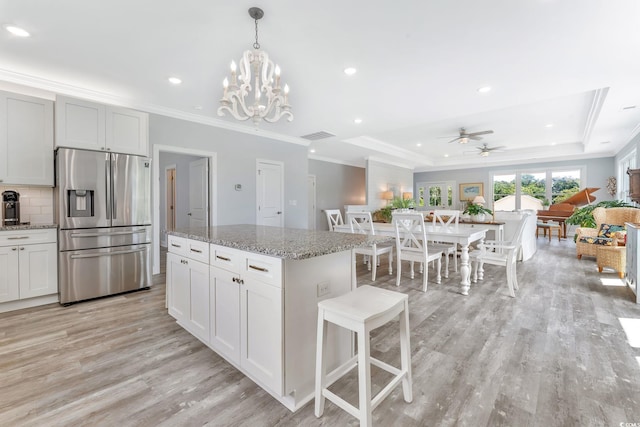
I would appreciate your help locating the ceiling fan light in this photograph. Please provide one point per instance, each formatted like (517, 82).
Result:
(484, 153)
(464, 140)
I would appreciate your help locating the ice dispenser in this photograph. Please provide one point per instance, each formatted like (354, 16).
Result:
(80, 203)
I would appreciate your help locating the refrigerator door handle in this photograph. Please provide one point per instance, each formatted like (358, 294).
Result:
(101, 254)
(107, 180)
(113, 196)
(113, 233)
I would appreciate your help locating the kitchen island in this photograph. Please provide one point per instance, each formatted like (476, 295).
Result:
(250, 293)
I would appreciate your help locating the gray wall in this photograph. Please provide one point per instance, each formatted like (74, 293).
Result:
(236, 164)
(336, 185)
(380, 175)
(597, 171)
(182, 187)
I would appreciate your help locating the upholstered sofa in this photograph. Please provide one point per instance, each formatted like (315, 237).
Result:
(608, 232)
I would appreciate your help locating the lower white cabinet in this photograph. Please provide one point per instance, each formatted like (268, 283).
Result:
(188, 294)
(246, 325)
(29, 264)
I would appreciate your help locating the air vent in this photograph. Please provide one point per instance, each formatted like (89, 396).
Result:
(630, 107)
(317, 135)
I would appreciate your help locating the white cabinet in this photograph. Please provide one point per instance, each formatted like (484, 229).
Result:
(93, 126)
(246, 313)
(188, 286)
(26, 140)
(28, 261)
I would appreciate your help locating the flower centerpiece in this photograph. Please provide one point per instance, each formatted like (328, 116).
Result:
(477, 212)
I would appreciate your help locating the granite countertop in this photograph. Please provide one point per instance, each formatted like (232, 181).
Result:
(27, 227)
(286, 243)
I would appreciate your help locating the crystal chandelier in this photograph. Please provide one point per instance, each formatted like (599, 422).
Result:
(265, 100)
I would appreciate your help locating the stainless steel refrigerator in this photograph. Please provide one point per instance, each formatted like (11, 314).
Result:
(103, 209)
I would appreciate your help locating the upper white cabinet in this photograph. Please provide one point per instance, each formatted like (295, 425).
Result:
(26, 140)
(93, 126)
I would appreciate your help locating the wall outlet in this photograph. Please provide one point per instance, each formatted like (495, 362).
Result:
(323, 289)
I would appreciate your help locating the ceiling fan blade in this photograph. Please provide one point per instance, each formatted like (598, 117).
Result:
(454, 139)
(495, 148)
(475, 137)
(484, 132)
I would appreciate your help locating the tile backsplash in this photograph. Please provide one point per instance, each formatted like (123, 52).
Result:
(36, 203)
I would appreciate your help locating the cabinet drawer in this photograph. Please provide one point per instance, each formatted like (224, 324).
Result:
(264, 268)
(198, 250)
(226, 258)
(28, 237)
(177, 245)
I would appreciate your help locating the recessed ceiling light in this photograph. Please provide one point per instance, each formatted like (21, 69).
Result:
(484, 89)
(549, 125)
(357, 121)
(418, 145)
(197, 107)
(17, 31)
(312, 150)
(174, 80)
(350, 71)
(553, 143)
(446, 155)
(605, 142)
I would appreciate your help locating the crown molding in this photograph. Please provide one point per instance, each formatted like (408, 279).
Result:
(336, 161)
(599, 97)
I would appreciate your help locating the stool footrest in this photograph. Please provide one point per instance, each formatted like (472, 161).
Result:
(349, 365)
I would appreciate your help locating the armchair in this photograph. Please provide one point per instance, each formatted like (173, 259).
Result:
(588, 239)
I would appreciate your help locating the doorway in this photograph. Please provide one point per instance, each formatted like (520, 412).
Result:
(181, 205)
(170, 204)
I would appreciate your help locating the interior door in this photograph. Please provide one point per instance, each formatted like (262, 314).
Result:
(199, 193)
(270, 191)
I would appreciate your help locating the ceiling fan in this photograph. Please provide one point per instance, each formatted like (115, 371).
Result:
(466, 136)
(485, 150)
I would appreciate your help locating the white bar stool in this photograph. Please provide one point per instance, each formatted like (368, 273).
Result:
(361, 311)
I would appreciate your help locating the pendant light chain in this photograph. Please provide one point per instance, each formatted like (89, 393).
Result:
(256, 45)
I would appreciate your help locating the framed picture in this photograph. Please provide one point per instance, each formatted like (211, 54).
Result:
(469, 191)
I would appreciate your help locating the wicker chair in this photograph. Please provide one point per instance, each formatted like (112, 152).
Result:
(613, 216)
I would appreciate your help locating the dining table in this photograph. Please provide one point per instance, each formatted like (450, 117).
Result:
(461, 234)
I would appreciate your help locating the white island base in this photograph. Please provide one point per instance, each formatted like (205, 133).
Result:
(259, 312)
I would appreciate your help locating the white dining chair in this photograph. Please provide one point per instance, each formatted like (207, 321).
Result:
(360, 223)
(412, 245)
(334, 217)
(446, 218)
(500, 253)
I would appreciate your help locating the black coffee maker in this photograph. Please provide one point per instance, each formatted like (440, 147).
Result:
(10, 208)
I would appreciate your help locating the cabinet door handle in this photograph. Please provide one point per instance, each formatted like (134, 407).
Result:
(175, 246)
(255, 267)
(17, 237)
(14, 249)
(22, 248)
(198, 251)
(223, 258)
(184, 261)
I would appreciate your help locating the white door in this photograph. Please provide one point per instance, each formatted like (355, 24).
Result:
(311, 190)
(199, 193)
(270, 190)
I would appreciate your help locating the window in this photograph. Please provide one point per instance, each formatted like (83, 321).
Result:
(627, 162)
(435, 194)
(529, 189)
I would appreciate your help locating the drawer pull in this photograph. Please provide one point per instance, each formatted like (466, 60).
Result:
(198, 251)
(223, 258)
(264, 270)
(17, 238)
(175, 246)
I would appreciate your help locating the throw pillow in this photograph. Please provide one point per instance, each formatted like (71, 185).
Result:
(607, 230)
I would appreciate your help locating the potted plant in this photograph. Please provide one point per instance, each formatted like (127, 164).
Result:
(583, 216)
(477, 212)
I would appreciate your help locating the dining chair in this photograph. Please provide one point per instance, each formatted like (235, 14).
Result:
(334, 217)
(412, 245)
(446, 218)
(360, 223)
(500, 253)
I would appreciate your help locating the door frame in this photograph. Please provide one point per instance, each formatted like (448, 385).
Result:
(282, 204)
(213, 192)
(311, 204)
(167, 211)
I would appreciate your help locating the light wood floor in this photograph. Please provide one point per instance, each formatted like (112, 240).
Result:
(554, 356)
